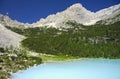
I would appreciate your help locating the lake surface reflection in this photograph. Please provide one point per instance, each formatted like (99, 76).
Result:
(78, 69)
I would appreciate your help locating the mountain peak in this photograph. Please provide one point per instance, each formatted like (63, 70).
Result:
(76, 7)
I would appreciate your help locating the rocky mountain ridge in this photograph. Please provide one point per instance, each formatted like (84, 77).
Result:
(7, 21)
(79, 14)
(75, 13)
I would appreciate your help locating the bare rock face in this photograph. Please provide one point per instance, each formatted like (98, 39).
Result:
(79, 14)
(9, 38)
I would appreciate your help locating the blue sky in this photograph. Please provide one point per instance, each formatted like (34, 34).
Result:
(32, 10)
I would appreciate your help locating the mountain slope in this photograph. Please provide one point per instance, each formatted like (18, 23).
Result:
(93, 41)
(111, 19)
(9, 38)
(107, 12)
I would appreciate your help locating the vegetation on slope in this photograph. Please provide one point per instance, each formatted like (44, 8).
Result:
(77, 40)
(13, 60)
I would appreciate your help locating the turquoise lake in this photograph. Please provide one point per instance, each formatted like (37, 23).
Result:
(78, 69)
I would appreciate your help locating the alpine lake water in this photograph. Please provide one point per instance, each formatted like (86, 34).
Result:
(78, 69)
